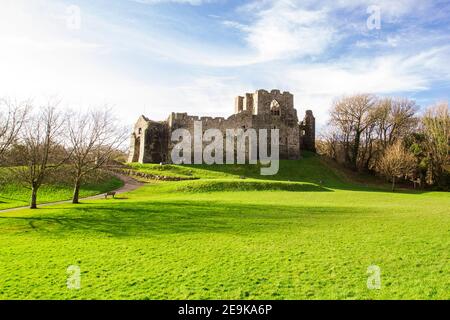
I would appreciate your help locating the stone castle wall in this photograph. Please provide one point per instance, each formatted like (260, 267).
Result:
(151, 143)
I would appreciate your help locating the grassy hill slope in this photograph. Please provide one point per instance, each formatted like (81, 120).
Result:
(309, 170)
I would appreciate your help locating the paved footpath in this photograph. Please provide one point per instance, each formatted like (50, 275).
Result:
(129, 185)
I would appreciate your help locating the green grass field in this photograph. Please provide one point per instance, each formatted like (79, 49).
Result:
(13, 195)
(306, 233)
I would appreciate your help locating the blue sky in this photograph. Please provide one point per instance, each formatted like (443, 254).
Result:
(156, 56)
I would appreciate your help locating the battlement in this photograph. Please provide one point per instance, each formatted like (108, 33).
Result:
(184, 117)
(262, 101)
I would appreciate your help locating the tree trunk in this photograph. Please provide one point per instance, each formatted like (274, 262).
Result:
(355, 151)
(393, 183)
(33, 204)
(76, 192)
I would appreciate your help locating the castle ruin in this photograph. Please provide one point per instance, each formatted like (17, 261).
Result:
(151, 140)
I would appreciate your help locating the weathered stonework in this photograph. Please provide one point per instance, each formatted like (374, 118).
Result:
(150, 140)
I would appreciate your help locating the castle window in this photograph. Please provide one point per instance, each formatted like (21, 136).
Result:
(274, 108)
(140, 130)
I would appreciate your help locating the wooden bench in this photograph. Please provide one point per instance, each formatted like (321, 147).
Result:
(112, 193)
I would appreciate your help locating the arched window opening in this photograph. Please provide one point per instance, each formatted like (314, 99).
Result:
(275, 108)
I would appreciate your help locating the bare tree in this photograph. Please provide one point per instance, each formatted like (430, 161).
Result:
(351, 116)
(12, 118)
(397, 163)
(328, 143)
(93, 139)
(367, 125)
(395, 117)
(436, 126)
(39, 150)
(368, 147)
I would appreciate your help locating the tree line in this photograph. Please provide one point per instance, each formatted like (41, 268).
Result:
(390, 137)
(39, 144)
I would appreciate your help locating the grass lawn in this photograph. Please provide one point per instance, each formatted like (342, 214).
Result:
(221, 237)
(13, 195)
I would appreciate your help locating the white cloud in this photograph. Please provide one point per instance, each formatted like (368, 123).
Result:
(191, 2)
(389, 42)
(284, 30)
(390, 10)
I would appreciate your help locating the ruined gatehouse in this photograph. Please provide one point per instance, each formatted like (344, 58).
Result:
(151, 140)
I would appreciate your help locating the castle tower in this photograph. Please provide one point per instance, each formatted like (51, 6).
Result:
(148, 142)
(308, 132)
(238, 104)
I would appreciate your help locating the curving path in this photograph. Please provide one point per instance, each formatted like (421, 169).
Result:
(129, 185)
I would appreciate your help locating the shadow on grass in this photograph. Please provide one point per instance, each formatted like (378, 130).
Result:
(174, 217)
